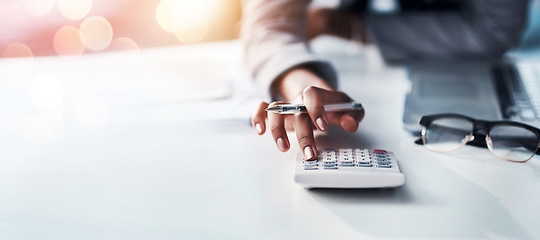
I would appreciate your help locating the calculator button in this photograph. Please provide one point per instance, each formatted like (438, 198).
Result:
(384, 164)
(334, 166)
(364, 159)
(330, 162)
(310, 163)
(310, 167)
(380, 151)
(365, 164)
(347, 162)
(329, 159)
(363, 151)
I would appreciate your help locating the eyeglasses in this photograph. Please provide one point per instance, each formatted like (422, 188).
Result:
(512, 141)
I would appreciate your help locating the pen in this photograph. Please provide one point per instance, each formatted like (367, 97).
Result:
(298, 108)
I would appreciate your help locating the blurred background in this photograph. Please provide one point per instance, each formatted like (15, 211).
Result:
(72, 27)
(39, 95)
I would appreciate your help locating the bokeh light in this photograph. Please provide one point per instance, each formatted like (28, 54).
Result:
(75, 27)
(67, 41)
(92, 112)
(74, 9)
(96, 33)
(187, 19)
(47, 91)
(166, 13)
(123, 43)
(38, 7)
(17, 50)
(195, 32)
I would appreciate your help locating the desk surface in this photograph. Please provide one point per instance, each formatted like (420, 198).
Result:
(109, 151)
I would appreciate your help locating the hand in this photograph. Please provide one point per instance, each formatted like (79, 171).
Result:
(314, 98)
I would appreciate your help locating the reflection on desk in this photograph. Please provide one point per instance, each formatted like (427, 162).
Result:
(160, 166)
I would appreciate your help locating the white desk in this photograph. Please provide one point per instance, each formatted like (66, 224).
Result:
(120, 156)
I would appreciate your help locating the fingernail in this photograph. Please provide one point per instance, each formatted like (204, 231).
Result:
(320, 122)
(259, 128)
(308, 153)
(282, 145)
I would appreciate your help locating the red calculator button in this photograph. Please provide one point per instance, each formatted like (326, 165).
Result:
(379, 151)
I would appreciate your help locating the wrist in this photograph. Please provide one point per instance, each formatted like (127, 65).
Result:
(359, 29)
(292, 84)
(339, 24)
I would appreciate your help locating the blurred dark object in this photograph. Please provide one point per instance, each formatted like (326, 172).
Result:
(407, 5)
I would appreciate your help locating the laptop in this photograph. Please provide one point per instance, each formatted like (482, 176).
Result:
(489, 90)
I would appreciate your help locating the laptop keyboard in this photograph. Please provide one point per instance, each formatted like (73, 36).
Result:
(527, 93)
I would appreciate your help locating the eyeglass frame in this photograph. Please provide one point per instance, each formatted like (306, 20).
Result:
(478, 126)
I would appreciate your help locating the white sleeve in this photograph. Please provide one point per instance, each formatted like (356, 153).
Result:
(273, 33)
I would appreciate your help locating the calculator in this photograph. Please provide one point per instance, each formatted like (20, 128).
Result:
(349, 168)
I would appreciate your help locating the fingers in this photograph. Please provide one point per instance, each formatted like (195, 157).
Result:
(350, 120)
(315, 98)
(304, 124)
(259, 117)
(347, 120)
(349, 123)
(276, 123)
(314, 102)
(304, 134)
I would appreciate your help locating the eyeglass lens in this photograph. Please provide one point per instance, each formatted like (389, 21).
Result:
(447, 134)
(513, 142)
(509, 142)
